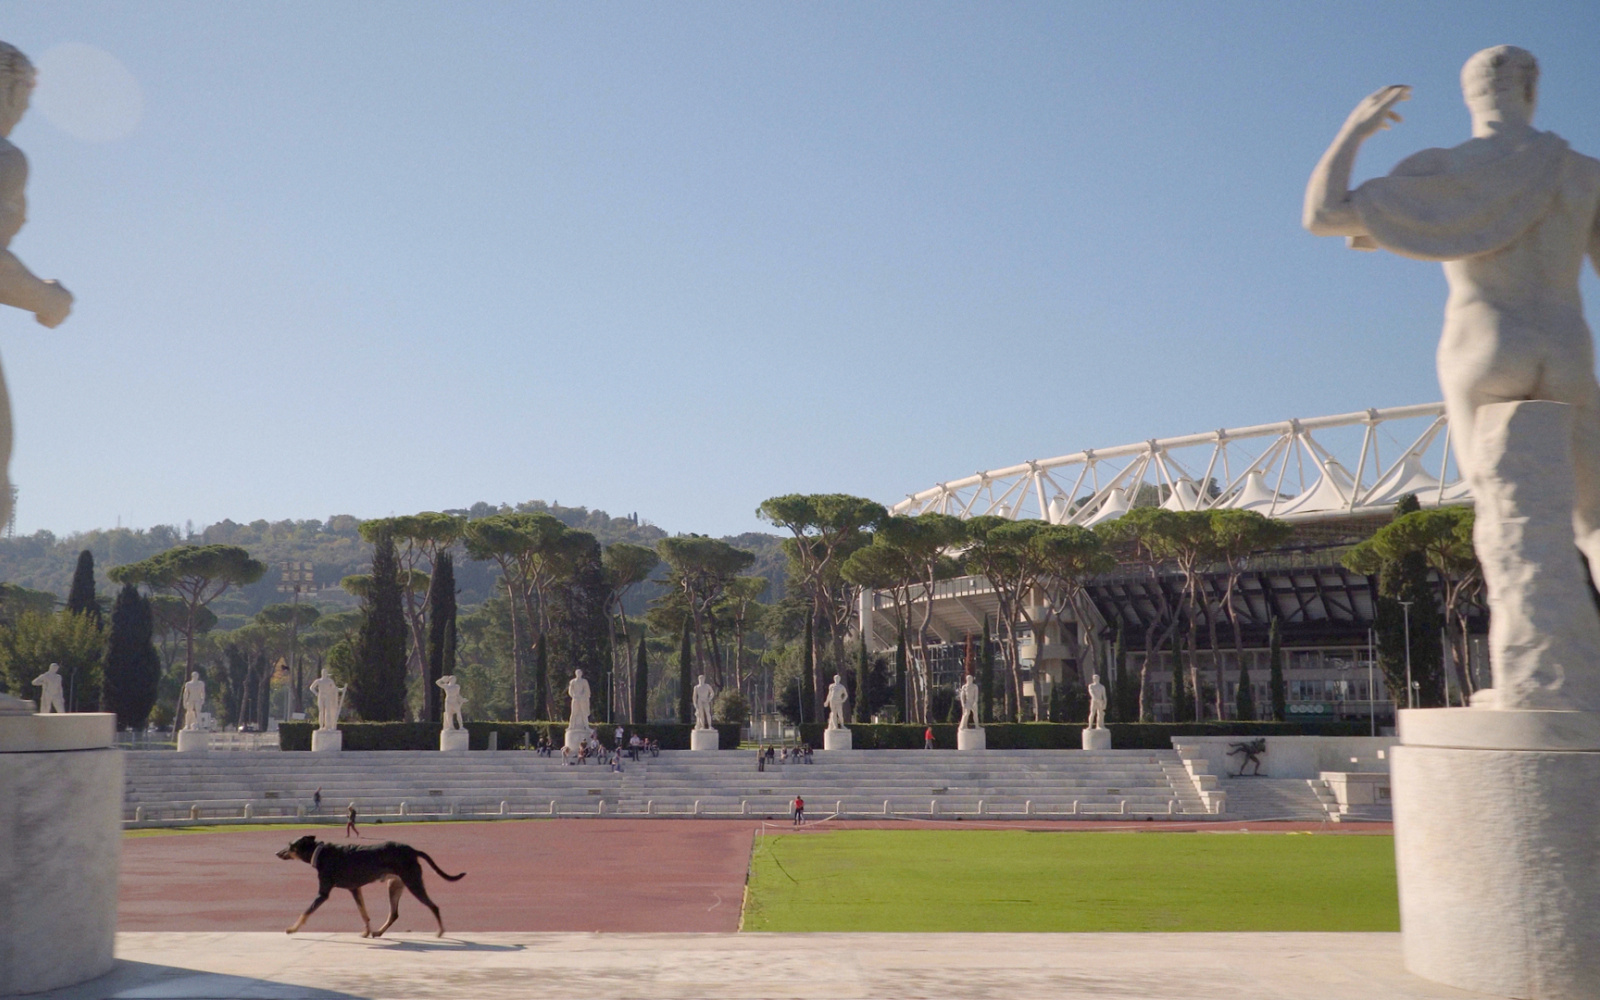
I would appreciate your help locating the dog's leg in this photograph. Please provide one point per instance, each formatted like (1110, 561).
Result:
(361, 905)
(413, 881)
(322, 897)
(395, 888)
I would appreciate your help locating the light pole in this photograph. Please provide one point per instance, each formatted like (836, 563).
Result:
(297, 576)
(1411, 685)
(1372, 691)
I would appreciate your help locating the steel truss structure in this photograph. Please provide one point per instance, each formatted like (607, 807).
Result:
(1297, 470)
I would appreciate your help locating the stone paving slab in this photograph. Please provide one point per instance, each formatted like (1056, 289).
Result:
(491, 966)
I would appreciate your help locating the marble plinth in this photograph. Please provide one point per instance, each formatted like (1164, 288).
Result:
(1097, 739)
(193, 741)
(326, 741)
(703, 739)
(1498, 863)
(452, 740)
(1544, 635)
(61, 827)
(576, 738)
(837, 739)
(972, 739)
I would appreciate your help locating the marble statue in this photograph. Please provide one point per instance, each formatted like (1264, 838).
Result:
(1511, 213)
(704, 694)
(968, 695)
(47, 300)
(837, 695)
(49, 685)
(578, 691)
(330, 701)
(194, 701)
(452, 701)
(1097, 703)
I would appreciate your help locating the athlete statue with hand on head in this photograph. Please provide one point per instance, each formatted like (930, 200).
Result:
(968, 694)
(49, 685)
(452, 701)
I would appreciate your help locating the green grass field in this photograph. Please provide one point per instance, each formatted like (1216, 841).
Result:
(1004, 880)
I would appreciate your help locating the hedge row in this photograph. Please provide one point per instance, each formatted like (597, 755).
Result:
(511, 735)
(864, 736)
(1068, 736)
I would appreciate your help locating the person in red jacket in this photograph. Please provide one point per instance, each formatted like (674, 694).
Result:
(799, 810)
(927, 738)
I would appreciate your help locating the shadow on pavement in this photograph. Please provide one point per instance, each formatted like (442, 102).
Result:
(146, 981)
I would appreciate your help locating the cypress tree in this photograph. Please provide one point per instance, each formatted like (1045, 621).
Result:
(1244, 701)
(448, 666)
(986, 676)
(808, 688)
(641, 686)
(133, 667)
(900, 679)
(441, 622)
(81, 599)
(541, 682)
(1182, 704)
(686, 674)
(1280, 691)
(1125, 704)
(378, 687)
(863, 668)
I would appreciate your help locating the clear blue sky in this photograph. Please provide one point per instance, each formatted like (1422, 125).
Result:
(676, 258)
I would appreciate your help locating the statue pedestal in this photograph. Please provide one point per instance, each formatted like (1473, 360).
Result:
(194, 741)
(837, 739)
(576, 738)
(324, 741)
(1499, 867)
(452, 740)
(1097, 739)
(703, 739)
(61, 824)
(972, 739)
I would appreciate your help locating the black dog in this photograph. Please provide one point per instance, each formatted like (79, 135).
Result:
(342, 867)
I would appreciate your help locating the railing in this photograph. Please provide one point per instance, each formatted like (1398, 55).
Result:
(222, 740)
(227, 813)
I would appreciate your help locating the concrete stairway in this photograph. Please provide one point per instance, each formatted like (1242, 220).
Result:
(1273, 798)
(170, 787)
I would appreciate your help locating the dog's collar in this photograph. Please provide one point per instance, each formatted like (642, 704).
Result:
(313, 861)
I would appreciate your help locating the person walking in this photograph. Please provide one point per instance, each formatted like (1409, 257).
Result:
(350, 822)
(927, 738)
(799, 811)
(316, 800)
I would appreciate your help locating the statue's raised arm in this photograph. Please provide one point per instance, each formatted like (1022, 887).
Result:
(47, 300)
(1328, 210)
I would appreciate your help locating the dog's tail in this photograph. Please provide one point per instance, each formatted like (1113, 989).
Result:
(432, 864)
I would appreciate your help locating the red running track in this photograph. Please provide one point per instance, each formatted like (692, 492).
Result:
(547, 875)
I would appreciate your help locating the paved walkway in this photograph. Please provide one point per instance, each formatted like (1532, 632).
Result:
(491, 966)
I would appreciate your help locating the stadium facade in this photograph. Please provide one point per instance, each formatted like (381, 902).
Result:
(1335, 478)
